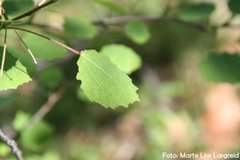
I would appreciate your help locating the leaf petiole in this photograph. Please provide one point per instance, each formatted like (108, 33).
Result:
(48, 38)
(4, 53)
(25, 45)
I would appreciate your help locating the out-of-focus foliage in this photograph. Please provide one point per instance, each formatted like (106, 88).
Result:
(43, 48)
(234, 6)
(221, 67)
(79, 28)
(182, 55)
(123, 57)
(137, 31)
(196, 12)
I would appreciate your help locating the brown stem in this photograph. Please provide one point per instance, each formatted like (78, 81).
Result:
(48, 38)
(124, 19)
(52, 100)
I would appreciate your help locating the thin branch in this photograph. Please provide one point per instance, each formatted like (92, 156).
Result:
(41, 2)
(4, 53)
(52, 100)
(124, 19)
(35, 9)
(48, 38)
(12, 144)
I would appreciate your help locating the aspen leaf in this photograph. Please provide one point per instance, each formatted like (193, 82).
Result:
(103, 82)
(15, 74)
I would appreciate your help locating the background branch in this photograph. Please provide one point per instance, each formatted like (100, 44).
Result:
(52, 100)
(124, 19)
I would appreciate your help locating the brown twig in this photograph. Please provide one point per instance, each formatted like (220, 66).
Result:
(35, 9)
(124, 19)
(12, 144)
(52, 100)
(48, 38)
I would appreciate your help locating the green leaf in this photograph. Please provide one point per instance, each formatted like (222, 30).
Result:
(196, 12)
(43, 48)
(4, 150)
(35, 138)
(20, 120)
(221, 67)
(51, 155)
(17, 6)
(112, 6)
(234, 6)
(15, 74)
(137, 31)
(103, 82)
(25, 59)
(79, 28)
(123, 57)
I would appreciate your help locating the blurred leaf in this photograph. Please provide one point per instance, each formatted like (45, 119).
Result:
(79, 28)
(51, 155)
(234, 6)
(33, 157)
(34, 139)
(4, 150)
(137, 31)
(51, 77)
(17, 6)
(103, 82)
(84, 151)
(221, 67)
(123, 57)
(15, 73)
(196, 12)
(43, 48)
(112, 6)
(20, 120)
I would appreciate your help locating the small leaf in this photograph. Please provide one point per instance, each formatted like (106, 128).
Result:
(137, 31)
(43, 48)
(79, 28)
(35, 137)
(221, 68)
(4, 150)
(103, 82)
(20, 120)
(51, 155)
(15, 74)
(123, 57)
(112, 6)
(234, 6)
(196, 12)
(17, 6)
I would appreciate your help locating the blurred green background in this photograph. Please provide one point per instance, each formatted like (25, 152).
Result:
(188, 80)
